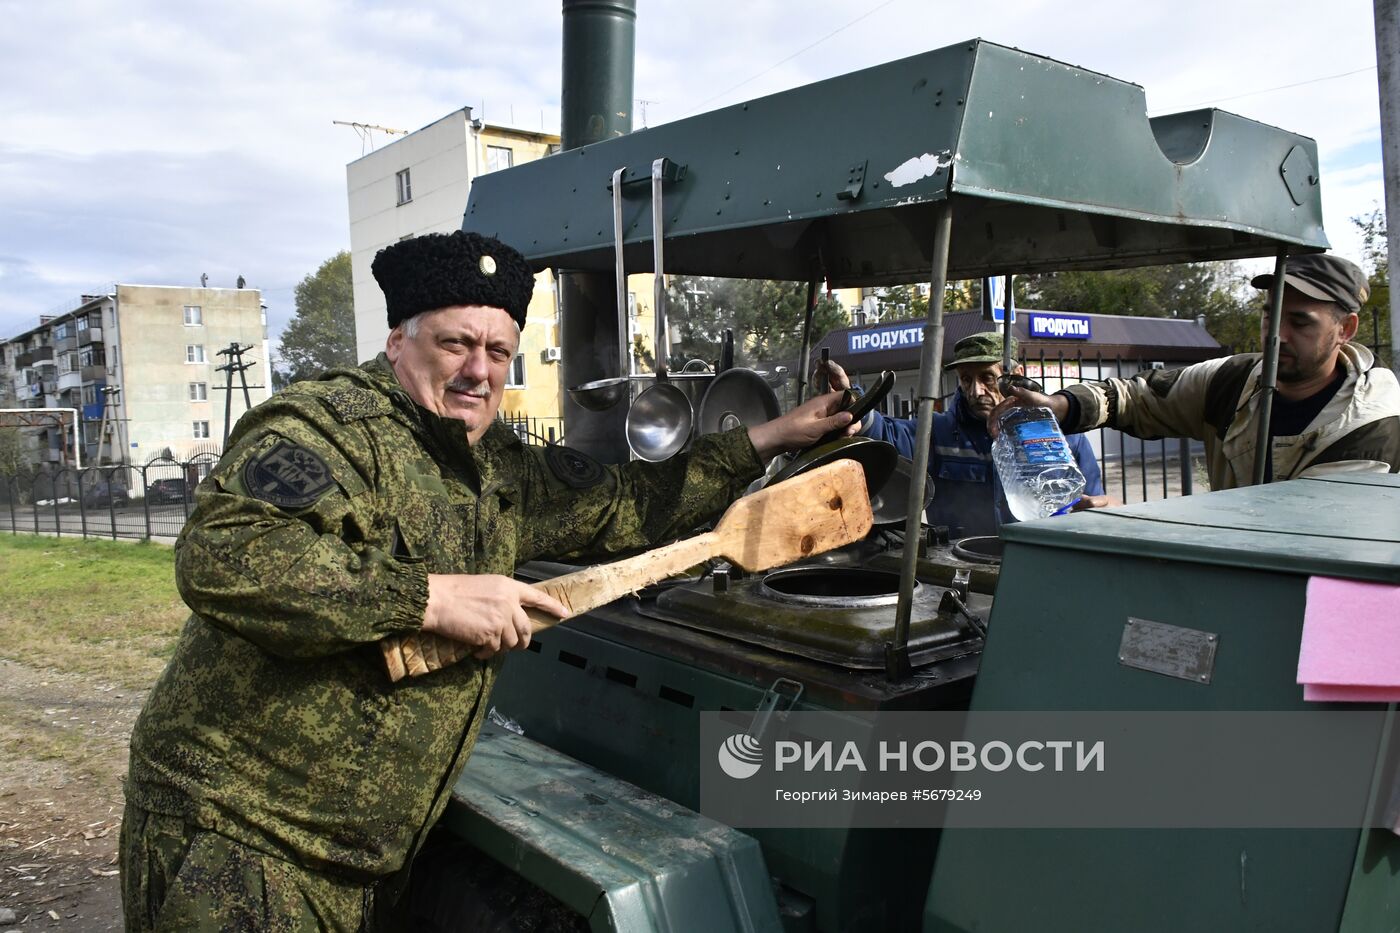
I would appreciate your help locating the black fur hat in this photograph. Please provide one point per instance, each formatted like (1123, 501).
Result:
(438, 270)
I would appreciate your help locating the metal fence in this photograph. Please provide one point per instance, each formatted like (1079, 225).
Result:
(535, 430)
(118, 501)
(1134, 470)
(154, 500)
(148, 501)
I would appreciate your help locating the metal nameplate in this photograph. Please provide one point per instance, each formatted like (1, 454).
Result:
(1185, 653)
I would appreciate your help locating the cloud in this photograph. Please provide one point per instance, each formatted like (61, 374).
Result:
(153, 141)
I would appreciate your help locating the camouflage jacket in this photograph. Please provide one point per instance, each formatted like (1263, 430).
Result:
(275, 723)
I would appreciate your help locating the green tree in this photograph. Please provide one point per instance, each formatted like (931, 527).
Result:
(1216, 291)
(13, 467)
(1375, 259)
(765, 316)
(321, 334)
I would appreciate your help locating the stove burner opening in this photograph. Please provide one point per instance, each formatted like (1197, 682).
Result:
(985, 549)
(832, 586)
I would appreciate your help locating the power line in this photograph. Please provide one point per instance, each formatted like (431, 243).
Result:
(1267, 90)
(807, 48)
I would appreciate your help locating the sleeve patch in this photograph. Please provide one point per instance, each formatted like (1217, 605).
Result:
(287, 475)
(573, 468)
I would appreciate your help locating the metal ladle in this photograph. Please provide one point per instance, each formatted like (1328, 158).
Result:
(660, 419)
(602, 394)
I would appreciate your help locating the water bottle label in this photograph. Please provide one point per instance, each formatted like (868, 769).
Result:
(1040, 443)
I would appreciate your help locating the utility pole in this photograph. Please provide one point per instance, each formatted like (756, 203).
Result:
(108, 425)
(1387, 26)
(235, 364)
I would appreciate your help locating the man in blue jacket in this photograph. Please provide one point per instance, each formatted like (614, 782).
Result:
(967, 494)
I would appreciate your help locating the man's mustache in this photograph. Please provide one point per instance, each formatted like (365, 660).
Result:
(474, 389)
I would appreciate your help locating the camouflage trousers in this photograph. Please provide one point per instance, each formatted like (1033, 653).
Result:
(176, 876)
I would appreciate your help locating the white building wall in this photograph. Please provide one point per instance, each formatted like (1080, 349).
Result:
(440, 164)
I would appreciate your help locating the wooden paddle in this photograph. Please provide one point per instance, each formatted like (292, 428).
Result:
(806, 515)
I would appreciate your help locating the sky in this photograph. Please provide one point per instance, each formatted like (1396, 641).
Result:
(151, 142)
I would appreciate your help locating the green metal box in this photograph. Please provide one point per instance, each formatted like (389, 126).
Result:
(1234, 564)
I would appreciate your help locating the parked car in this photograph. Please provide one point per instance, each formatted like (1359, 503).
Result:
(104, 493)
(172, 489)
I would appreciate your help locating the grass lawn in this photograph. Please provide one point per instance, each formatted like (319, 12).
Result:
(103, 608)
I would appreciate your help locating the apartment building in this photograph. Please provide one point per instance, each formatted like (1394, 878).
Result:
(139, 366)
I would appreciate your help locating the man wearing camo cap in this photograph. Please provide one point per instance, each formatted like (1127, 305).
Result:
(279, 780)
(968, 498)
(1335, 409)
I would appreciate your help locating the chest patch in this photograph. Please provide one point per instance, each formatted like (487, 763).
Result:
(573, 467)
(288, 475)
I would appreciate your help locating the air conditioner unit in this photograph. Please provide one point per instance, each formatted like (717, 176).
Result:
(550, 355)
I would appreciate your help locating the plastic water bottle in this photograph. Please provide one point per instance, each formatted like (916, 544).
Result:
(1037, 469)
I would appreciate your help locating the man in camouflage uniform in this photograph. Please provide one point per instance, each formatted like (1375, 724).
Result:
(278, 779)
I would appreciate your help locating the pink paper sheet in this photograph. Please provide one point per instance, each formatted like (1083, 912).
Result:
(1351, 642)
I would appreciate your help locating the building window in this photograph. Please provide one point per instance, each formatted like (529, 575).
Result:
(199, 391)
(60, 332)
(70, 362)
(91, 356)
(194, 353)
(194, 315)
(90, 395)
(405, 186)
(82, 323)
(201, 429)
(499, 157)
(516, 379)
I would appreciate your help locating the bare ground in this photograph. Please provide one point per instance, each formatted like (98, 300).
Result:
(63, 754)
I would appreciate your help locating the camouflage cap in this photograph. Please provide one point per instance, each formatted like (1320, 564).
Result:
(981, 348)
(1323, 277)
(439, 270)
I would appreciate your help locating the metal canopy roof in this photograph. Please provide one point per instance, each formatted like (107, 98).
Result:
(1054, 167)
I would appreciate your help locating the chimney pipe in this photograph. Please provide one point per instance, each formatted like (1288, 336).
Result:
(599, 42)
